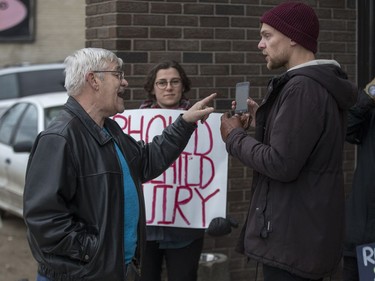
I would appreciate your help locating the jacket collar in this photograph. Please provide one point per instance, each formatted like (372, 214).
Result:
(94, 129)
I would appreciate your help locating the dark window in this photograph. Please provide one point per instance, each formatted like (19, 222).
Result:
(366, 42)
(42, 81)
(9, 86)
(9, 121)
(28, 127)
(22, 84)
(50, 114)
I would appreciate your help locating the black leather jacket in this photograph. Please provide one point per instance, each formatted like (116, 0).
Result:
(73, 198)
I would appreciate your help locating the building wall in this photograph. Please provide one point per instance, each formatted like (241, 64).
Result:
(59, 30)
(216, 42)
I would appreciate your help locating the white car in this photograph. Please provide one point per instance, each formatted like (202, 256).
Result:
(19, 126)
(21, 81)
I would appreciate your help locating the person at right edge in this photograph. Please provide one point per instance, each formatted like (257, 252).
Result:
(360, 205)
(295, 222)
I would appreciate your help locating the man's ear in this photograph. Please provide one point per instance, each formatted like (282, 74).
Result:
(92, 80)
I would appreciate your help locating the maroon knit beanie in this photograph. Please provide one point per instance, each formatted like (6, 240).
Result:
(297, 21)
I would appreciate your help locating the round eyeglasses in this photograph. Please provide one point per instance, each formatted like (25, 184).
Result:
(163, 84)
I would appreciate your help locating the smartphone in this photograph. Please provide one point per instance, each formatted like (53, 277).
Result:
(242, 94)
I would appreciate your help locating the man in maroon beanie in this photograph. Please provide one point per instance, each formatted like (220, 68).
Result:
(295, 223)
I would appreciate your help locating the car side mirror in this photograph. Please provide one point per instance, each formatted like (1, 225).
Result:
(23, 146)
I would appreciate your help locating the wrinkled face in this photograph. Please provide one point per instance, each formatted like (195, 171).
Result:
(168, 88)
(275, 46)
(111, 90)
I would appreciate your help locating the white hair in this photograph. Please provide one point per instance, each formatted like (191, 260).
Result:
(82, 62)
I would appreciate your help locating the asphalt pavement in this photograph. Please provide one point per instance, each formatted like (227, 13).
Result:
(16, 261)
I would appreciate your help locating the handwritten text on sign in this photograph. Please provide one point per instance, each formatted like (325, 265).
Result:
(192, 191)
(366, 262)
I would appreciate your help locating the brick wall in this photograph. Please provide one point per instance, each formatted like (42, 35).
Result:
(216, 42)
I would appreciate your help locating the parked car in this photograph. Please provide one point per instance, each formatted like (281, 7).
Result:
(19, 126)
(22, 81)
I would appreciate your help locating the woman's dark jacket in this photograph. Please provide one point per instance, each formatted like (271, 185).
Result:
(296, 216)
(74, 201)
(360, 207)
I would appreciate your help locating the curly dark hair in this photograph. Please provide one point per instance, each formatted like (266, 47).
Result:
(150, 81)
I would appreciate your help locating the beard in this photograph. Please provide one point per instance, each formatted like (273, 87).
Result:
(273, 64)
(277, 61)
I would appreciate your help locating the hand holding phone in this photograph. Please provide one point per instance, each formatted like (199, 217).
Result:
(242, 94)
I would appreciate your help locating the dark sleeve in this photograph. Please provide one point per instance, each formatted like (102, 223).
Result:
(292, 126)
(357, 117)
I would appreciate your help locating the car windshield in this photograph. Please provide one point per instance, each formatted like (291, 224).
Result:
(50, 113)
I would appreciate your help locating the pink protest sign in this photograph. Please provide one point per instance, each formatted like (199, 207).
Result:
(193, 190)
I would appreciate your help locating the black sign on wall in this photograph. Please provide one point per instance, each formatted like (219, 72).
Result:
(17, 20)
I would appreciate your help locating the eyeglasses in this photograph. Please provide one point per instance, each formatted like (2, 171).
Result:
(118, 73)
(163, 84)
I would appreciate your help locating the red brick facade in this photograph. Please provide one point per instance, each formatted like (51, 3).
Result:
(216, 42)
